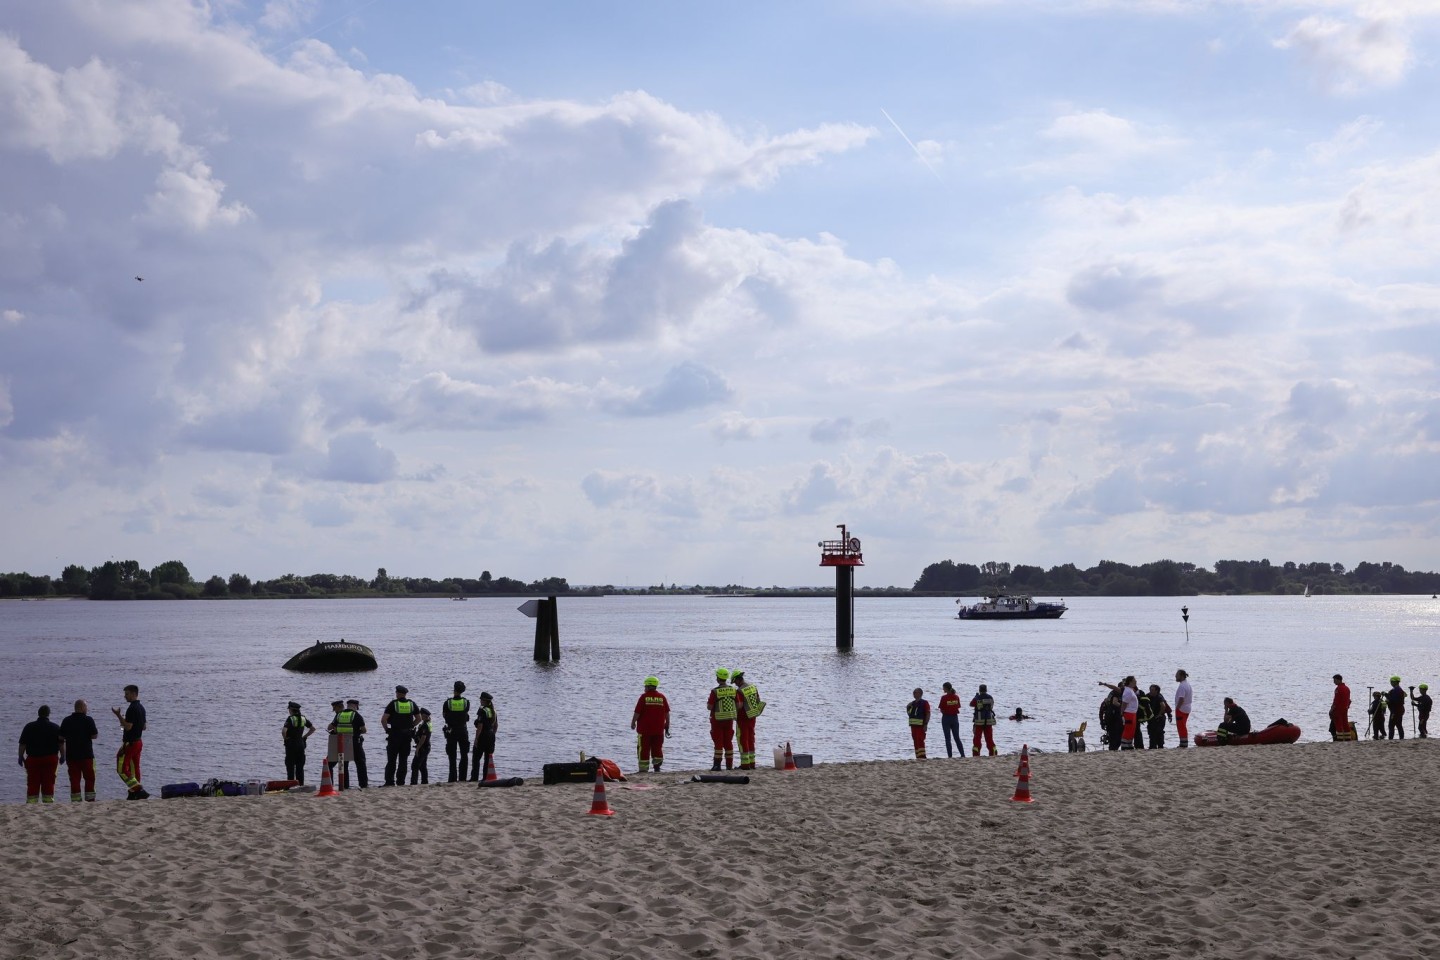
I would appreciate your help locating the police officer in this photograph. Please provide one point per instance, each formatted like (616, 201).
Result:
(420, 766)
(342, 743)
(398, 722)
(487, 724)
(361, 771)
(294, 732)
(456, 714)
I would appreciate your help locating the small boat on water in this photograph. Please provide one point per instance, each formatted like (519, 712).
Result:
(1005, 606)
(335, 656)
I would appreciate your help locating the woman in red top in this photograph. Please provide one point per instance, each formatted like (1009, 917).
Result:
(651, 723)
(950, 719)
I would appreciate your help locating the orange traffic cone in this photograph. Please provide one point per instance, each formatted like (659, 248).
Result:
(789, 758)
(489, 769)
(1022, 787)
(600, 806)
(327, 786)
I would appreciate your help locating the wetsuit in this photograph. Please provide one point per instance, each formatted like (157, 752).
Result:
(650, 720)
(403, 716)
(1340, 711)
(420, 766)
(950, 722)
(294, 732)
(1395, 700)
(127, 758)
(918, 714)
(984, 722)
(723, 711)
(79, 732)
(41, 740)
(456, 714)
(486, 724)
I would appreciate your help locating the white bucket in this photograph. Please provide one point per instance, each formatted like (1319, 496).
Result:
(255, 788)
(780, 758)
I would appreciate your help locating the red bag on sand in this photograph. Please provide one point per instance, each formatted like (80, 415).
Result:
(610, 770)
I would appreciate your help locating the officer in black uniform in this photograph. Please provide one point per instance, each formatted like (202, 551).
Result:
(294, 732)
(362, 775)
(456, 714)
(398, 721)
(486, 724)
(420, 766)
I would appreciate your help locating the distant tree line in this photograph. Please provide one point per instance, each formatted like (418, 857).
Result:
(1171, 578)
(171, 580)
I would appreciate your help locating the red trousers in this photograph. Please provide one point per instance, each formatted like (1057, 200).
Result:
(917, 735)
(127, 763)
(745, 734)
(1181, 729)
(988, 732)
(1127, 734)
(81, 770)
(722, 736)
(649, 745)
(40, 778)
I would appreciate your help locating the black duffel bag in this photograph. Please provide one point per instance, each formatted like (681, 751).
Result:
(570, 772)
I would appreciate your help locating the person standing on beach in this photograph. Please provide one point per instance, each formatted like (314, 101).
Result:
(1184, 698)
(487, 724)
(127, 758)
(41, 751)
(1112, 717)
(723, 711)
(1377, 715)
(1423, 703)
(420, 766)
(983, 720)
(1129, 711)
(398, 722)
(80, 733)
(1340, 710)
(950, 719)
(1159, 710)
(294, 731)
(1395, 699)
(1235, 724)
(748, 706)
(342, 743)
(651, 723)
(362, 772)
(455, 713)
(918, 713)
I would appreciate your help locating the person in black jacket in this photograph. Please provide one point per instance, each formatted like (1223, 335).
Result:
(1112, 719)
(1159, 711)
(41, 750)
(1235, 724)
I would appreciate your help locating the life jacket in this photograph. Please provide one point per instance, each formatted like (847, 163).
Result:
(754, 706)
(724, 702)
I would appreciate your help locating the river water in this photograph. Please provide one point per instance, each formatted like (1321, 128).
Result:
(211, 678)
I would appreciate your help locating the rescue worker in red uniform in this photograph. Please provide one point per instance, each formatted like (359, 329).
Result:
(723, 712)
(651, 723)
(984, 720)
(748, 706)
(918, 712)
(1340, 710)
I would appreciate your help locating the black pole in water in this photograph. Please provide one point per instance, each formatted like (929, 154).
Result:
(554, 630)
(547, 631)
(1185, 615)
(844, 608)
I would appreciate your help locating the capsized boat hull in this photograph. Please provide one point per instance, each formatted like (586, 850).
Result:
(340, 656)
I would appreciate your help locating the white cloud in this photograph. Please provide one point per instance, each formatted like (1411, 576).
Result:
(1352, 56)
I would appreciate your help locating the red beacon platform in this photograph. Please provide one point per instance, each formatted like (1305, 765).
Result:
(844, 552)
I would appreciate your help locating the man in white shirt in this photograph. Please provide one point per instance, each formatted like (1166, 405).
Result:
(1183, 699)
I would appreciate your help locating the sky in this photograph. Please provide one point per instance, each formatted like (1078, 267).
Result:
(636, 293)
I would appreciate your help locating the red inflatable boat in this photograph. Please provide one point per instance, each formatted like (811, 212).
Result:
(1283, 733)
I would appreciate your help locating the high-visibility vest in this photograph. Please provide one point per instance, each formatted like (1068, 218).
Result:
(345, 721)
(295, 723)
(724, 702)
(404, 707)
(984, 710)
(754, 706)
(916, 711)
(458, 706)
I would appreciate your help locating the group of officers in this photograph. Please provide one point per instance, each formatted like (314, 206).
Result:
(406, 726)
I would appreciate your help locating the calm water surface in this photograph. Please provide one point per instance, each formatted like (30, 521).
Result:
(211, 679)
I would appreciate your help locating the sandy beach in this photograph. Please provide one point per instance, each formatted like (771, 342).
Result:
(1306, 851)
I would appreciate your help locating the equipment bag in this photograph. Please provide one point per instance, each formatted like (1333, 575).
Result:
(719, 778)
(507, 782)
(569, 772)
(180, 790)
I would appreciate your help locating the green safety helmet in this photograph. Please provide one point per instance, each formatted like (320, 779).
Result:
(1424, 686)
(652, 682)
(722, 674)
(1394, 679)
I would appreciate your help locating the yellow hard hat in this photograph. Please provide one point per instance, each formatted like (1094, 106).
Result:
(1424, 686)
(1394, 679)
(652, 682)
(722, 674)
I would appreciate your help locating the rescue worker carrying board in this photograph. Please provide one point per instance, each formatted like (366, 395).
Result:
(456, 714)
(723, 712)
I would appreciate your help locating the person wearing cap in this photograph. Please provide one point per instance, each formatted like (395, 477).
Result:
(1377, 715)
(420, 766)
(293, 733)
(455, 712)
(1423, 703)
(362, 775)
(723, 712)
(748, 706)
(1395, 699)
(341, 729)
(487, 724)
(651, 723)
(398, 722)
(1340, 710)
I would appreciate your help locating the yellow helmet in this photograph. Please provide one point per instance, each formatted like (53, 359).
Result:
(722, 674)
(1394, 679)
(652, 682)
